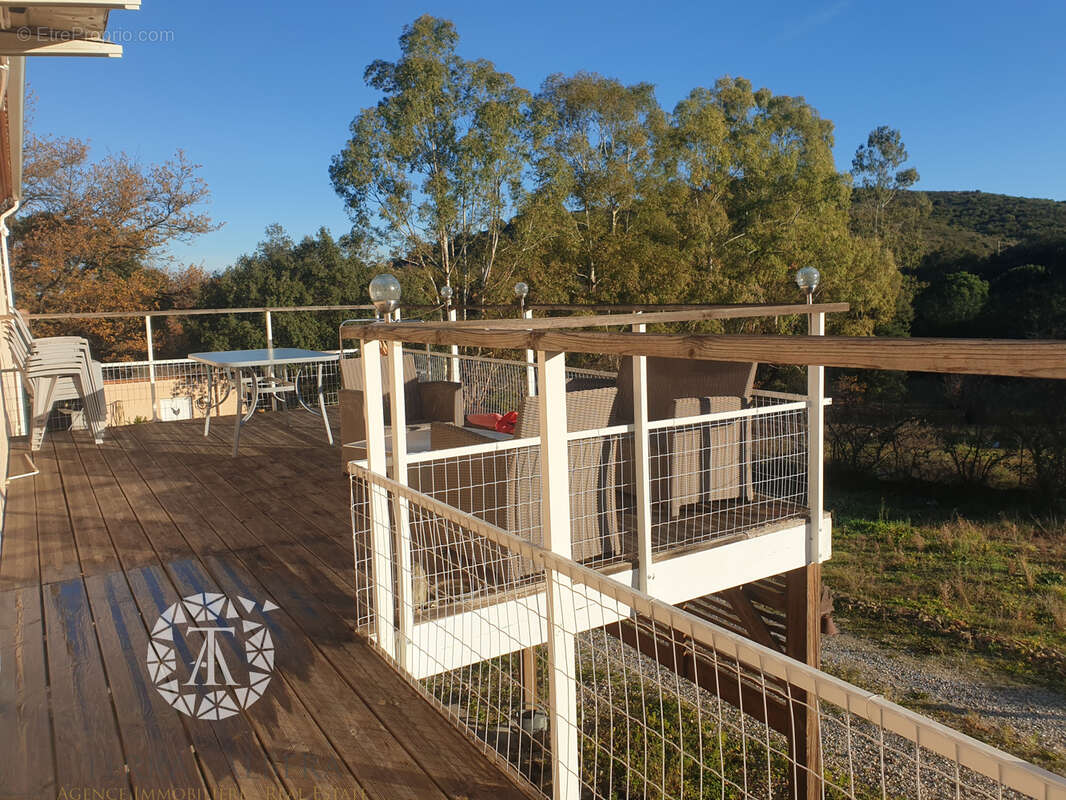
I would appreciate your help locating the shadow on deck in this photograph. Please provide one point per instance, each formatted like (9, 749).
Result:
(105, 539)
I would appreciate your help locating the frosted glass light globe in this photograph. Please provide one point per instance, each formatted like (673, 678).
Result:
(385, 293)
(807, 279)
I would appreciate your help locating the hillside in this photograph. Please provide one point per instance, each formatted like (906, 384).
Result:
(964, 225)
(999, 216)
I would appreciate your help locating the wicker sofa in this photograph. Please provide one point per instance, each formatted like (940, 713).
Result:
(504, 488)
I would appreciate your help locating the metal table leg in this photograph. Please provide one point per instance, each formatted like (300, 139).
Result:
(322, 406)
(235, 377)
(210, 397)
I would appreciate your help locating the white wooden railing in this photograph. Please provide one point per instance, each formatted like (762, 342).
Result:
(583, 686)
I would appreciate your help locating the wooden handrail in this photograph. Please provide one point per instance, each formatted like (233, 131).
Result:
(1023, 358)
(651, 318)
(591, 309)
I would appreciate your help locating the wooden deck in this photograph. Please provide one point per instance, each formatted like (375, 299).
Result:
(106, 538)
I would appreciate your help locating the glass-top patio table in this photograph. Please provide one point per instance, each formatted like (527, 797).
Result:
(254, 374)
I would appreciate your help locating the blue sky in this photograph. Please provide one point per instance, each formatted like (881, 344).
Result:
(261, 93)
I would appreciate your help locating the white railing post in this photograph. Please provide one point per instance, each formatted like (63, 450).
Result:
(380, 527)
(531, 371)
(405, 579)
(151, 365)
(561, 612)
(641, 475)
(270, 346)
(453, 362)
(817, 550)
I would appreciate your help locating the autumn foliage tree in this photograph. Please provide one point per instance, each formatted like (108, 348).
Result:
(92, 235)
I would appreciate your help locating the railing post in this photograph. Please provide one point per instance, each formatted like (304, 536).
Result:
(531, 371)
(405, 579)
(817, 550)
(453, 362)
(641, 475)
(151, 365)
(380, 527)
(562, 622)
(269, 331)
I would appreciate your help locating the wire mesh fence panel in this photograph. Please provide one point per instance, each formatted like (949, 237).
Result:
(176, 389)
(584, 687)
(362, 551)
(717, 470)
(498, 482)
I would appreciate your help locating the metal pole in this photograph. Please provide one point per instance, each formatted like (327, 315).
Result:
(151, 365)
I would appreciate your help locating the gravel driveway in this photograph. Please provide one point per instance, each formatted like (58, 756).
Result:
(959, 689)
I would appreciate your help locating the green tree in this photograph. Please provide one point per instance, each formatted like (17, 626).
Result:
(604, 173)
(435, 169)
(947, 305)
(876, 167)
(316, 271)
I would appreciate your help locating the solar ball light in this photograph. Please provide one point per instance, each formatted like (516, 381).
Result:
(446, 295)
(521, 289)
(807, 279)
(385, 294)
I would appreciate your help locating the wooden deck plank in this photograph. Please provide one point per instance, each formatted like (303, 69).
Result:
(88, 749)
(159, 512)
(410, 720)
(127, 536)
(94, 543)
(329, 623)
(19, 563)
(356, 733)
(56, 549)
(104, 582)
(158, 752)
(218, 493)
(27, 768)
(307, 709)
(286, 726)
(280, 720)
(229, 752)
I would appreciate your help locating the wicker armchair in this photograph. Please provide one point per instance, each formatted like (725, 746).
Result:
(705, 462)
(426, 401)
(504, 488)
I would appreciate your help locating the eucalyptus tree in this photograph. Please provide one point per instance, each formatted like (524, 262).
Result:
(436, 169)
(602, 154)
(754, 191)
(876, 167)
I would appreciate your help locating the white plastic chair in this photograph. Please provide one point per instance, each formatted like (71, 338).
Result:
(54, 369)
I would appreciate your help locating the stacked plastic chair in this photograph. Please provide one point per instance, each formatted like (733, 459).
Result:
(54, 369)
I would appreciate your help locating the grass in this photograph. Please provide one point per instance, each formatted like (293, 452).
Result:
(936, 570)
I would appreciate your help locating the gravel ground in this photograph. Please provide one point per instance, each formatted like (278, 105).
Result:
(861, 761)
(958, 689)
